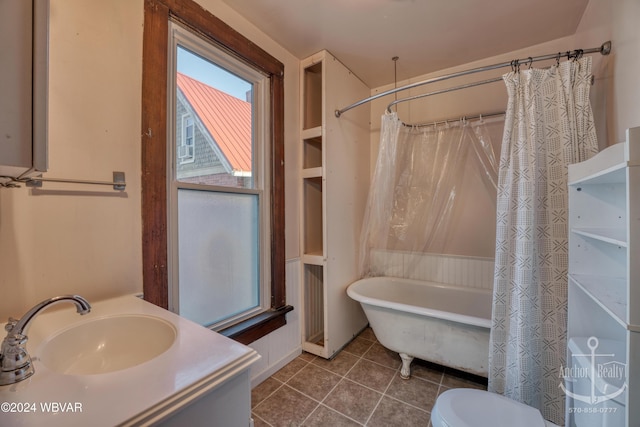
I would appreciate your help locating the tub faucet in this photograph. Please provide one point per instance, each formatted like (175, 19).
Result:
(14, 359)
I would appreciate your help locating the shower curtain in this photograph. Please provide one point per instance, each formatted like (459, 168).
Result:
(414, 187)
(548, 125)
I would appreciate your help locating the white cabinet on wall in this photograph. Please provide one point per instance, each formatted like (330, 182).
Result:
(334, 187)
(604, 287)
(23, 87)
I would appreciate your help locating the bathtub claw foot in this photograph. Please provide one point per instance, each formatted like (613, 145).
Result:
(405, 372)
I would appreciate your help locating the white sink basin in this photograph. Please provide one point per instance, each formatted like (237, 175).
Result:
(107, 344)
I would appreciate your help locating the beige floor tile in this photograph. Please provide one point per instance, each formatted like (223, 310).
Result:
(368, 334)
(427, 371)
(415, 391)
(307, 357)
(325, 417)
(341, 364)
(353, 400)
(314, 381)
(372, 375)
(259, 422)
(358, 346)
(285, 407)
(264, 390)
(391, 413)
(377, 353)
(290, 369)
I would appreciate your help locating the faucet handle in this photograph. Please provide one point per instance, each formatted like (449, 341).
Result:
(11, 323)
(16, 340)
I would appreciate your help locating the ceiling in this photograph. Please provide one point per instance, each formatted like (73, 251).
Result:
(426, 35)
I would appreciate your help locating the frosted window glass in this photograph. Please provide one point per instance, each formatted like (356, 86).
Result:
(218, 254)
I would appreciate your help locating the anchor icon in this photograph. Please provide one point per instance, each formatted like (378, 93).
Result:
(593, 399)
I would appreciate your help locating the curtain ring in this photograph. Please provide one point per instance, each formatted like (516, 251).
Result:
(515, 66)
(558, 59)
(578, 54)
(530, 60)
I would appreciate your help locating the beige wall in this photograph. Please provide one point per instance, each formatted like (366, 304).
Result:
(68, 239)
(85, 240)
(616, 94)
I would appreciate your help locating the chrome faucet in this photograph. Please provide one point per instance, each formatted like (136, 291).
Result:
(14, 359)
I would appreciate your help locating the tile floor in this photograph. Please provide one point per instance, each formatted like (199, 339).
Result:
(361, 386)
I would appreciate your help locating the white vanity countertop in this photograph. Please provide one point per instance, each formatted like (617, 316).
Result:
(197, 362)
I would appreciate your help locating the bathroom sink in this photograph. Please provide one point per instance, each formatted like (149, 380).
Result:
(107, 344)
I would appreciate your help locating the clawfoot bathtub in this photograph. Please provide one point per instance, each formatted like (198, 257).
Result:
(444, 324)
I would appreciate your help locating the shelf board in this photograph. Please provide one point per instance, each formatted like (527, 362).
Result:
(614, 236)
(605, 168)
(614, 175)
(312, 172)
(312, 132)
(314, 348)
(313, 258)
(609, 293)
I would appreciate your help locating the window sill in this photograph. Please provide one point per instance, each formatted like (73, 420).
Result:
(258, 326)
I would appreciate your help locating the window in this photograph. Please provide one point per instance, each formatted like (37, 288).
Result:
(217, 252)
(222, 221)
(186, 141)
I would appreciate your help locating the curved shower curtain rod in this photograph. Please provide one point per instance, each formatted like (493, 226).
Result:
(604, 49)
(438, 92)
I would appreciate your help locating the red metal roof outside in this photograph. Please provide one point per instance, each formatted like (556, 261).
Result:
(227, 118)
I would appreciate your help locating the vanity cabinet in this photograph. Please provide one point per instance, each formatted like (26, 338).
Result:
(23, 87)
(333, 192)
(604, 283)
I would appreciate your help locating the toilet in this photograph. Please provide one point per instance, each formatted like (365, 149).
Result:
(465, 407)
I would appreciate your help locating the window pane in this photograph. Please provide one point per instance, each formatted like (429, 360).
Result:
(218, 254)
(219, 105)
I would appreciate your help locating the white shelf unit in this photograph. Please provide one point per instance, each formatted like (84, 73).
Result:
(604, 262)
(334, 186)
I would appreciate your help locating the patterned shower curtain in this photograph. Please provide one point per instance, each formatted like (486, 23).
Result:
(548, 125)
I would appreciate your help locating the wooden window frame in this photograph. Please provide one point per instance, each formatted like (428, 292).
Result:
(157, 14)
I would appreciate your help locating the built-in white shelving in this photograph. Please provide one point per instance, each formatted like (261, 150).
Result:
(334, 184)
(615, 236)
(604, 266)
(607, 292)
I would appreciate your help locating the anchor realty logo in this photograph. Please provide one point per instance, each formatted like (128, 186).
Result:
(612, 372)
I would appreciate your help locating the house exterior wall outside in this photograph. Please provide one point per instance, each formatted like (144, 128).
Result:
(203, 155)
(206, 167)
